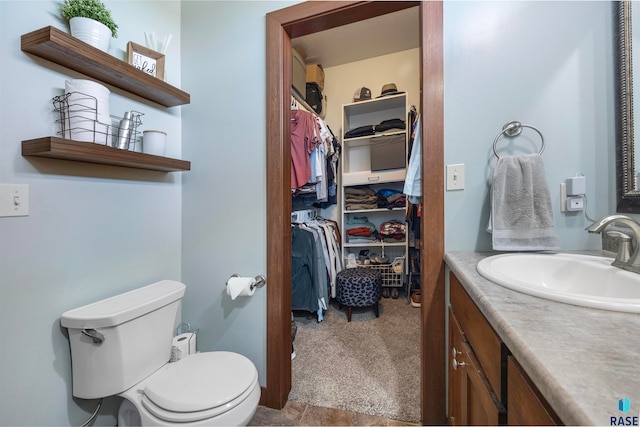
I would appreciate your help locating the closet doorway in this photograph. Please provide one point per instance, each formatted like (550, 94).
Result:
(307, 18)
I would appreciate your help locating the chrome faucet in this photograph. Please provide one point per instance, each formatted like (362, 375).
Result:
(626, 259)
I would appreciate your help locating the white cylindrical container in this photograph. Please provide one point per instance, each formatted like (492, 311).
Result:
(154, 142)
(92, 32)
(88, 111)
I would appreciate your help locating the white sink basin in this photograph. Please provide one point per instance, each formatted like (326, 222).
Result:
(588, 281)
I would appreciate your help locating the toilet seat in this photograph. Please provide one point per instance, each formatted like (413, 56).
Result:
(200, 386)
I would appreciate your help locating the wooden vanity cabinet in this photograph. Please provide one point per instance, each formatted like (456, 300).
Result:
(471, 399)
(474, 364)
(527, 406)
(487, 386)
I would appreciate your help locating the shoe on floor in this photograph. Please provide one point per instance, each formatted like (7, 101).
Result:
(394, 293)
(416, 299)
(385, 293)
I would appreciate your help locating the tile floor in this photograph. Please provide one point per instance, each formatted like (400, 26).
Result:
(301, 414)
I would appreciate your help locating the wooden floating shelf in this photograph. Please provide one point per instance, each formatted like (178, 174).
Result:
(63, 49)
(66, 149)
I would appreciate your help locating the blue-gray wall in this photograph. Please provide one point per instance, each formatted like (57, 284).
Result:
(225, 195)
(96, 231)
(93, 231)
(548, 64)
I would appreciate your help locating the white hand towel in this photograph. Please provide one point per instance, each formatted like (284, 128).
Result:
(521, 211)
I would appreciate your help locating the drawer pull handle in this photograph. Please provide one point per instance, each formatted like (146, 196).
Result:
(455, 352)
(373, 178)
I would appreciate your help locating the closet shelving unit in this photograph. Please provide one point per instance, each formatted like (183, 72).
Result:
(357, 171)
(61, 48)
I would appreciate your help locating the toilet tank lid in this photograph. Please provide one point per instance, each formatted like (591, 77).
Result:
(124, 307)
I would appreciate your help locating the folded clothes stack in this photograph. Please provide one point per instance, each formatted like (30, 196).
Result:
(360, 197)
(393, 231)
(383, 126)
(388, 198)
(360, 230)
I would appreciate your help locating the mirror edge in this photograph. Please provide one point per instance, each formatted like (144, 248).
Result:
(628, 198)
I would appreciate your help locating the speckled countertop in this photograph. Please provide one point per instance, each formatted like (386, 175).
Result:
(582, 360)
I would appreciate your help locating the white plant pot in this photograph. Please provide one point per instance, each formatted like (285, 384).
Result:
(91, 32)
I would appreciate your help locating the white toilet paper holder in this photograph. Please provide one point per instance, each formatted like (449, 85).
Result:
(260, 281)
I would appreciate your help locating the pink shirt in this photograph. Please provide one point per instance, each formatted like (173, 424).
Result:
(303, 141)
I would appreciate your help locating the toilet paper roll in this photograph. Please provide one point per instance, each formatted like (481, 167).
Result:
(240, 286)
(183, 345)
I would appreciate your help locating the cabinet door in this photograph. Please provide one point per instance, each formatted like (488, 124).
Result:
(526, 406)
(482, 406)
(471, 400)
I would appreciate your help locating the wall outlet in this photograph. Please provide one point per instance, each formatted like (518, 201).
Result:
(575, 203)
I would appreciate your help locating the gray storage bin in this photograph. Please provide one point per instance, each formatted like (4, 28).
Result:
(298, 73)
(388, 152)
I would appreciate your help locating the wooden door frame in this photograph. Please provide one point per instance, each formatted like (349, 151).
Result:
(306, 18)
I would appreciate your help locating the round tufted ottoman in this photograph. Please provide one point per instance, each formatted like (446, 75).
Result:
(359, 287)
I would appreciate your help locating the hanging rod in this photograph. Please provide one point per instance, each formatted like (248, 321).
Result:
(513, 129)
(303, 215)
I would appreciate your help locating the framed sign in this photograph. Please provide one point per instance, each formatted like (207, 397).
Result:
(145, 59)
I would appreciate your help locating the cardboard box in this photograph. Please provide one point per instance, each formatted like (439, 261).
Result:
(315, 74)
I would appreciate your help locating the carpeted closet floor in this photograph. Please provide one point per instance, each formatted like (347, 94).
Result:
(369, 365)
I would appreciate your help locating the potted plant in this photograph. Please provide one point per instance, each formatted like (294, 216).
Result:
(90, 21)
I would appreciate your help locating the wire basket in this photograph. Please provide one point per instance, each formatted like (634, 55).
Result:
(78, 119)
(392, 274)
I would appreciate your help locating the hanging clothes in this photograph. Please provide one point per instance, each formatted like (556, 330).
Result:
(312, 178)
(316, 261)
(413, 180)
(303, 142)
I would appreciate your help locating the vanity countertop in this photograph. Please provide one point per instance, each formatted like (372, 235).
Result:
(582, 360)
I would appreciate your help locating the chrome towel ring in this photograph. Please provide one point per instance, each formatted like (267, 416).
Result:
(512, 129)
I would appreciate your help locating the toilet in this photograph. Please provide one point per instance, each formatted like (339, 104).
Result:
(122, 346)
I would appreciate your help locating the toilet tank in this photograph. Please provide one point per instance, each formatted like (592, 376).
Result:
(132, 338)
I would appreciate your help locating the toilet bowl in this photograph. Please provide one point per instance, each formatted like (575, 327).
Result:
(121, 346)
(211, 388)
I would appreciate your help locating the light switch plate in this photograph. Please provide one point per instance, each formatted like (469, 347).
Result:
(14, 200)
(455, 177)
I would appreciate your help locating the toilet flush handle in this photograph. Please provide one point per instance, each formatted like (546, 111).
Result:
(96, 336)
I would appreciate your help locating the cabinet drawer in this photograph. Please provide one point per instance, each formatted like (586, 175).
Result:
(369, 177)
(526, 406)
(480, 335)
